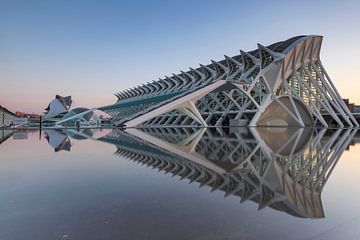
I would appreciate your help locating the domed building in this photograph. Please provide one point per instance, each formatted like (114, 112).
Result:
(57, 108)
(58, 113)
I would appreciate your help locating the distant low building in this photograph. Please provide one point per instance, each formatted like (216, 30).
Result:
(356, 109)
(27, 115)
(349, 104)
(6, 117)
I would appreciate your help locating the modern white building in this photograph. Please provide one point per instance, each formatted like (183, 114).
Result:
(282, 84)
(59, 113)
(83, 116)
(57, 108)
(6, 117)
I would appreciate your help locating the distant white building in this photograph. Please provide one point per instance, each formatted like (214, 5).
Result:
(59, 113)
(6, 117)
(57, 108)
(356, 109)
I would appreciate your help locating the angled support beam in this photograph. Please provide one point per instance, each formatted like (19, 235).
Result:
(74, 117)
(326, 98)
(182, 102)
(335, 92)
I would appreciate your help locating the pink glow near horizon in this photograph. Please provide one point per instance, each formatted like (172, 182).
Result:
(34, 104)
(35, 101)
(92, 51)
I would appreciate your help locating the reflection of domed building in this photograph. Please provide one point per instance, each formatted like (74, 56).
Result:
(82, 134)
(59, 139)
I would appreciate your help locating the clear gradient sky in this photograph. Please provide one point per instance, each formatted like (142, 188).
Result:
(91, 49)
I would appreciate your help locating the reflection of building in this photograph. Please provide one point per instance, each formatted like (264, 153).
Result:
(20, 135)
(287, 175)
(5, 134)
(6, 117)
(283, 84)
(59, 139)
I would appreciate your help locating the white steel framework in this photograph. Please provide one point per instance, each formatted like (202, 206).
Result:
(283, 84)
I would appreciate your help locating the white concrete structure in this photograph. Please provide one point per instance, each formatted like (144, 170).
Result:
(283, 84)
(84, 116)
(57, 108)
(58, 113)
(6, 117)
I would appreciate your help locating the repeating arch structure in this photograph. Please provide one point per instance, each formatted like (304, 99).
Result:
(287, 175)
(283, 84)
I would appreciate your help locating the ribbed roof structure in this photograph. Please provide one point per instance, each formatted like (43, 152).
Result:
(286, 77)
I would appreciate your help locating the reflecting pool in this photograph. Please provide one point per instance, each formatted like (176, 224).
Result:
(179, 183)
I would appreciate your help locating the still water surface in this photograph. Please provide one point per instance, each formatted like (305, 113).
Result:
(171, 183)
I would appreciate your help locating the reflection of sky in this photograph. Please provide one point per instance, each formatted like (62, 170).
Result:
(69, 47)
(88, 192)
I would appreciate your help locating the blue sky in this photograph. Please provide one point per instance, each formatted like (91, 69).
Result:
(91, 49)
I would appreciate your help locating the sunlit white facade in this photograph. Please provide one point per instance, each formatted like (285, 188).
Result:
(57, 108)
